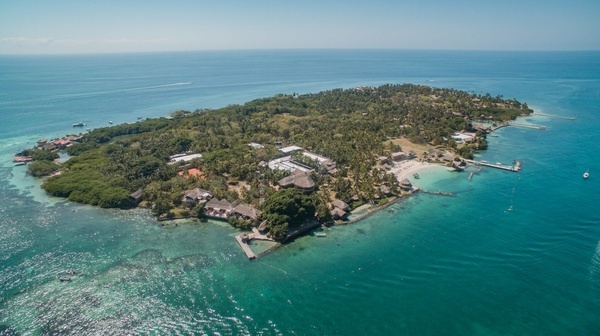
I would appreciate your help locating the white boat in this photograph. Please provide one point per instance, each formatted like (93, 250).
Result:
(321, 234)
(586, 175)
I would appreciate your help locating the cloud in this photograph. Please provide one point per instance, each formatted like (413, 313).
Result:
(41, 41)
(26, 40)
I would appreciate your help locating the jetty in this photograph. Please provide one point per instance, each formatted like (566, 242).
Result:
(441, 193)
(497, 165)
(244, 238)
(242, 241)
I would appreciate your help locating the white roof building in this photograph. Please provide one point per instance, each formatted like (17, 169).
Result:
(184, 158)
(256, 145)
(289, 149)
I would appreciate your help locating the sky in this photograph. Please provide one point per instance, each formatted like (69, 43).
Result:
(109, 26)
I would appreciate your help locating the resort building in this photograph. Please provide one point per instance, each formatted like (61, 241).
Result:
(330, 166)
(399, 156)
(338, 213)
(290, 149)
(196, 196)
(256, 145)
(462, 137)
(405, 185)
(340, 204)
(340, 209)
(218, 208)
(449, 157)
(247, 212)
(183, 157)
(136, 197)
(383, 159)
(385, 190)
(286, 163)
(298, 179)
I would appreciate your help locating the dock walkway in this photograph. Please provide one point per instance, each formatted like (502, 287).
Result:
(245, 247)
(514, 168)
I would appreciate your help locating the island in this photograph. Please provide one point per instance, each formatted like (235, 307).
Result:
(277, 166)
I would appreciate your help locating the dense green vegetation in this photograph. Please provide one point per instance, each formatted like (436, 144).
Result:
(39, 155)
(42, 168)
(352, 127)
(287, 208)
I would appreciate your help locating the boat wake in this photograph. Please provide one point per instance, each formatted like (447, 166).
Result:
(164, 85)
(595, 268)
(96, 93)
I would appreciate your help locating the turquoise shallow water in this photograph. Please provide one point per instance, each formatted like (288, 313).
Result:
(429, 265)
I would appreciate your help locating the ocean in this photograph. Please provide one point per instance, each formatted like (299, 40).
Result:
(508, 254)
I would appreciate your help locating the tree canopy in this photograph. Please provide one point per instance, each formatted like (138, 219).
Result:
(351, 127)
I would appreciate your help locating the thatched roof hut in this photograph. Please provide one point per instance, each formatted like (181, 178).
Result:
(405, 184)
(218, 205)
(305, 183)
(299, 180)
(263, 226)
(196, 194)
(340, 204)
(287, 182)
(338, 213)
(247, 212)
(136, 196)
(385, 190)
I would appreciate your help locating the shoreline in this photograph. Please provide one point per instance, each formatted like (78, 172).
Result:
(407, 168)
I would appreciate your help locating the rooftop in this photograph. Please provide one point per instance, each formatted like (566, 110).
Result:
(184, 158)
(290, 149)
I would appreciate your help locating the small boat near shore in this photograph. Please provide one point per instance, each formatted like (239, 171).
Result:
(64, 278)
(415, 175)
(320, 234)
(79, 124)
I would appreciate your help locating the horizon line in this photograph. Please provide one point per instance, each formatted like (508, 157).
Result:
(91, 53)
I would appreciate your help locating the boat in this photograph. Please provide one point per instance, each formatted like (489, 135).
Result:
(321, 234)
(586, 175)
(64, 278)
(79, 124)
(415, 175)
(110, 122)
(22, 163)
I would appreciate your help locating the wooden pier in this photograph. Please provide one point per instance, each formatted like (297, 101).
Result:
(514, 168)
(245, 247)
(441, 193)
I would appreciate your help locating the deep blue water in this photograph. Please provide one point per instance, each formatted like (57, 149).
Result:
(429, 265)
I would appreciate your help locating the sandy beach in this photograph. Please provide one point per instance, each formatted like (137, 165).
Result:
(407, 168)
